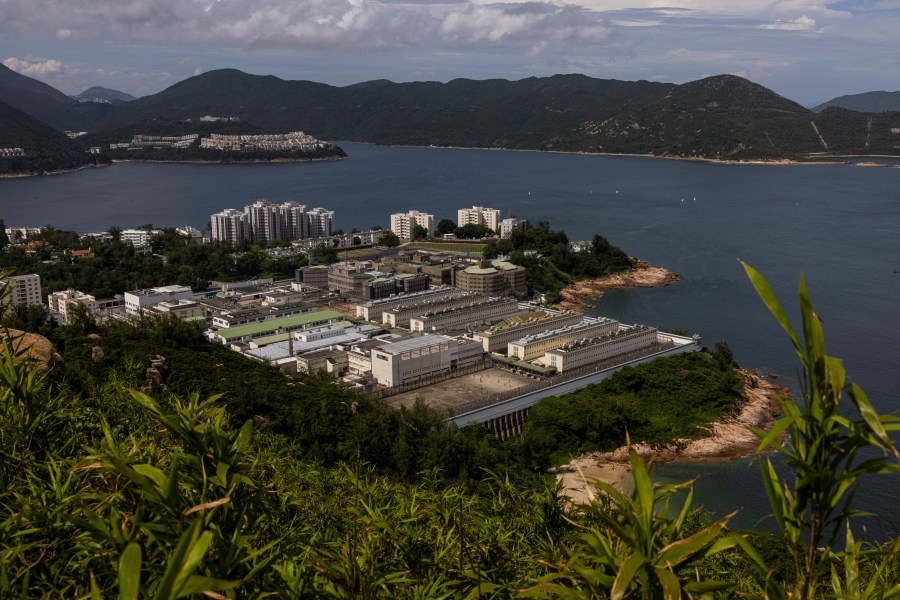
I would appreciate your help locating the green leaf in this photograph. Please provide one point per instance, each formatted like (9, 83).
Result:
(643, 487)
(668, 581)
(130, 572)
(198, 584)
(870, 416)
(768, 297)
(676, 552)
(625, 575)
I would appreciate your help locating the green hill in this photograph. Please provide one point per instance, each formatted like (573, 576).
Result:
(46, 148)
(865, 102)
(47, 104)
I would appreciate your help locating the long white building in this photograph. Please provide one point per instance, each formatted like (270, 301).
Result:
(413, 358)
(478, 215)
(403, 224)
(536, 345)
(588, 351)
(138, 301)
(483, 310)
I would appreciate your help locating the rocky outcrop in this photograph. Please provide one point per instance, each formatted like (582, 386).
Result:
(34, 347)
(642, 275)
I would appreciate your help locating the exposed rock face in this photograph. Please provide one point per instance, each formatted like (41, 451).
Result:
(36, 347)
(643, 275)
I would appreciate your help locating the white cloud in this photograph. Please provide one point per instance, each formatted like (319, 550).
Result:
(35, 66)
(801, 23)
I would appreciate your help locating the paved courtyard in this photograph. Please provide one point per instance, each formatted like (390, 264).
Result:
(461, 390)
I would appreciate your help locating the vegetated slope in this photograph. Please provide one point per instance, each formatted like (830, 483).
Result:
(114, 96)
(164, 126)
(46, 103)
(865, 102)
(46, 148)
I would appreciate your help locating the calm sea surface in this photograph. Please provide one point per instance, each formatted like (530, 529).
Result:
(837, 224)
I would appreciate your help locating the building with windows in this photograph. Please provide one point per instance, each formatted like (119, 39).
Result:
(138, 238)
(478, 215)
(497, 338)
(507, 226)
(489, 310)
(403, 224)
(591, 350)
(402, 315)
(373, 309)
(138, 301)
(410, 359)
(537, 344)
(492, 278)
(25, 290)
(263, 221)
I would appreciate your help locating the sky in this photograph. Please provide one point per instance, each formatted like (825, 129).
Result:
(807, 50)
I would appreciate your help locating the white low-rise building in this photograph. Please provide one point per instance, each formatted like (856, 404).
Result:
(536, 345)
(589, 351)
(137, 301)
(483, 311)
(411, 359)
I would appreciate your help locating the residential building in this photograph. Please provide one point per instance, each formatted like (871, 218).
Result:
(498, 337)
(294, 221)
(490, 310)
(61, 303)
(507, 226)
(230, 226)
(403, 224)
(25, 289)
(321, 222)
(478, 215)
(417, 357)
(536, 345)
(264, 221)
(138, 301)
(138, 237)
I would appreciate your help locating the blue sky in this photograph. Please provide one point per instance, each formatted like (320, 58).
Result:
(806, 50)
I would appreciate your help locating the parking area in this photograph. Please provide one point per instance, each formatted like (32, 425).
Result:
(462, 390)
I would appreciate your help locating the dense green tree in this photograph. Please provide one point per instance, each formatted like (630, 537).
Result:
(419, 232)
(446, 226)
(389, 239)
(473, 231)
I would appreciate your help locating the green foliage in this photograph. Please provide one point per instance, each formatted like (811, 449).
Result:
(389, 239)
(824, 451)
(419, 232)
(446, 226)
(473, 231)
(695, 388)
(551, 264)
(325, 255)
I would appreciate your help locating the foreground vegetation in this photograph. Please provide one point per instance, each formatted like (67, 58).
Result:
(110, 491)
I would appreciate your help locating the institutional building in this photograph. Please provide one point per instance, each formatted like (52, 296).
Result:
(497, 338)
(401, 316)
(592, 350)
(371, 310)
(537, 344)
(492, 278)
(25, 290)
(138, 301)
(488, 310)
(403, 224)
(414, 358)
(478, 215)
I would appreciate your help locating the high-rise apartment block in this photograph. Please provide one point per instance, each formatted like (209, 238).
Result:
(25, 290)
(403, 224)
(263, 221)
(479, 215)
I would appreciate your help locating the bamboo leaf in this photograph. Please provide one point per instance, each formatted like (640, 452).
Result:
(677, 551)
(768, 297)
(871, 417)
(625, 575)
(130, 572)
(669, 582)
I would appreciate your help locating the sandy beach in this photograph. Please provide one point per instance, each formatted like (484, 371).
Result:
(644, 274)
(729, 438)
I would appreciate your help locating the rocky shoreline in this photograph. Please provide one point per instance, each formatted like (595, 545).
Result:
(729, 438)
(576, 295)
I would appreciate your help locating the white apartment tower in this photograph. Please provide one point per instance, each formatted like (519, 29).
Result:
(478, 215)
(229, 226)
(321, 222)
(265, 222)
(403, 224)
(294, 221)
(25, 289)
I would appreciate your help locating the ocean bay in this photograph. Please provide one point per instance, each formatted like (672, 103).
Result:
(837, 224)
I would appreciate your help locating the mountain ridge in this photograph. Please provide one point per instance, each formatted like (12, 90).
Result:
(876, 101)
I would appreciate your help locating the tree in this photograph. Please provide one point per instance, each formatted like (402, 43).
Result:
(419, 232)
(325, 255)
(4, 239)
(357, 241)
(446, 226)
(116, 232)
(473, 231)
(389, 239)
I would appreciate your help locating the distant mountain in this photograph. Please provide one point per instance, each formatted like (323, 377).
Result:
(102, 93)
(46, 149)
(48, 104)
(866, 102)
(716, 117)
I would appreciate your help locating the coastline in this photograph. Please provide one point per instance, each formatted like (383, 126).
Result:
(716, 161)
(61, 172)
(729, 438)
(576, 295)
